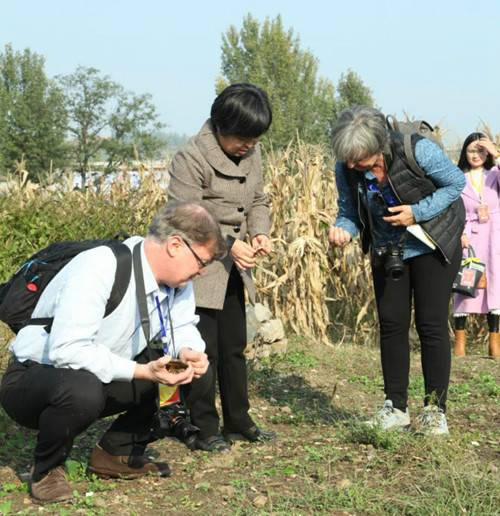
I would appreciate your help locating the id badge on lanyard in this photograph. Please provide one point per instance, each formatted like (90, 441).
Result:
(483, 213)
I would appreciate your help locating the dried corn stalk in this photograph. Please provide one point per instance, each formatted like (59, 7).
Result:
(302, 283)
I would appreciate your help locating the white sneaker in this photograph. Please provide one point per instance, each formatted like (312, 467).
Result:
(390, 418)
(432, 421)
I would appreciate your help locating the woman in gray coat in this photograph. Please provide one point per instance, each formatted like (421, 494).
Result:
(221, 166)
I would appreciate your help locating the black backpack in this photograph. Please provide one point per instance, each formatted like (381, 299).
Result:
(20, 294)
(420, 127)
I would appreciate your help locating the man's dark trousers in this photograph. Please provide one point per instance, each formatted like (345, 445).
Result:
(62, 403)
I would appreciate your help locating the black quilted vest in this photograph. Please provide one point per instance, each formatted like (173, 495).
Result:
(410, 187)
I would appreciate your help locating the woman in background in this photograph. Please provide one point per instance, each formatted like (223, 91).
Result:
(481, 197)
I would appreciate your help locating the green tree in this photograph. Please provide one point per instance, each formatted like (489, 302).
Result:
(87, 95)
(268, 55)
(352, 91)
(107, 121)
(134, 130)
(32, 114)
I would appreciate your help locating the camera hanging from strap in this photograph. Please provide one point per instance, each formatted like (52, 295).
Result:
(170, 400)
(392, 253)
(154, 344)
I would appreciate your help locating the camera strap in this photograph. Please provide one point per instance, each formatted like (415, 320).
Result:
(370, 216)
(368, 213)
(153, 351)
(141, 291)
(143, 309)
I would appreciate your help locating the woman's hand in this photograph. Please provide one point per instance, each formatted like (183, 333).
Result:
(261, 245)
(243, 255)
(338, 236)
(489, 146)
(156, 371)
(464, 241)
(403, 216)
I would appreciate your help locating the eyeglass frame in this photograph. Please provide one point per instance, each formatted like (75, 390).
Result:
(201, 263)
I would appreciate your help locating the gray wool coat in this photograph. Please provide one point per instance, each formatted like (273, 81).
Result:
(201, 171)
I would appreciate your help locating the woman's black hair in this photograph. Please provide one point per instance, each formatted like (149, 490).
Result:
(463, 164)
(242, 110)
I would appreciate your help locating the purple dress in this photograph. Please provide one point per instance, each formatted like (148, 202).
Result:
(485, 239)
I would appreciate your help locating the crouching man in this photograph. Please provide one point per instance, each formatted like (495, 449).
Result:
(88, 366)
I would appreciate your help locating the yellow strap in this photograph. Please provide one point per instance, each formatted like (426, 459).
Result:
(477, 185)
(472, 259)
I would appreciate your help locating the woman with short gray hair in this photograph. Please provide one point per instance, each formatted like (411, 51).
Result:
(388, 198)
(360, 131)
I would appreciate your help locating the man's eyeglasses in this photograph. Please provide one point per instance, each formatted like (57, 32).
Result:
(201, 263)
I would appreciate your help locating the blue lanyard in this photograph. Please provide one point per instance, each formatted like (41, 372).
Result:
(386, 194)
(163, 330)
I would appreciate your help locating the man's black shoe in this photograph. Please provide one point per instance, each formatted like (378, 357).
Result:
(214, 443)
(254, 434)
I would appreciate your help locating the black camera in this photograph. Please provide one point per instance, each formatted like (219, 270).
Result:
(173, 421)
(392, 255)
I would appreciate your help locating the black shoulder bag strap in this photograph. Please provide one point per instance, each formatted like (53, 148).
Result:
(118, 290)
(122, 276)
(393, 126)
(410, 156)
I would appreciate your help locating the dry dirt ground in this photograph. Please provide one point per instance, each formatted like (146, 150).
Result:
(324, 461)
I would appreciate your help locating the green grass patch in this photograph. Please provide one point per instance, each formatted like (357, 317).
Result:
(361, 433)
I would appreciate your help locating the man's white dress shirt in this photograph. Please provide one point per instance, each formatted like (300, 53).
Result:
(81, 339)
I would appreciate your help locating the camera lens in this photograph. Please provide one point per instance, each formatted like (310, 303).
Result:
(394, 266)
(396, 273)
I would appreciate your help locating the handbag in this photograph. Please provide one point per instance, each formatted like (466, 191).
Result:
(469, 275)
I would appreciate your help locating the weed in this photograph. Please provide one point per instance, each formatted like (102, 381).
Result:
(488, 385)
(76, 471)
(416, 387)
(10, 487)
(5, 421)
(372, 384)
(314, 453)
(361, 433)
(203, 486)
(459, 392)
(97, 484)
(240, 483)
(189, 504)
(300, 360)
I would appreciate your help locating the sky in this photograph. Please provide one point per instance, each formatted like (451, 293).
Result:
(434, 59)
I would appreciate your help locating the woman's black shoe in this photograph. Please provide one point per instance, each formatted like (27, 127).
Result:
(254, 434)
(214, 443)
